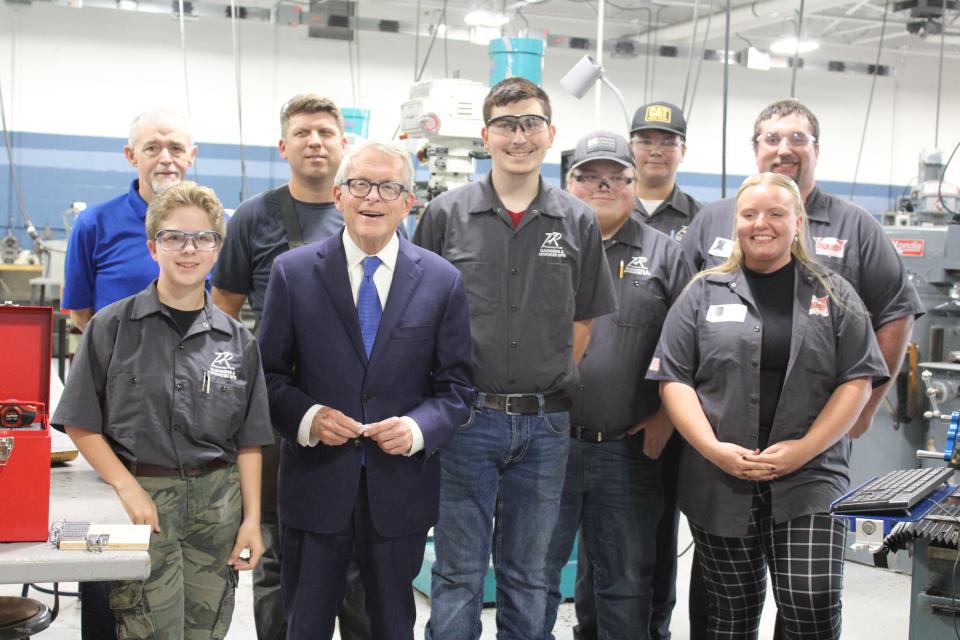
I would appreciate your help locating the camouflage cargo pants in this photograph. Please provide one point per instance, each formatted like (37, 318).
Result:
(190, 591)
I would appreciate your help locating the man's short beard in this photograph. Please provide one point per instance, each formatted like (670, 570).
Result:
(159, 186)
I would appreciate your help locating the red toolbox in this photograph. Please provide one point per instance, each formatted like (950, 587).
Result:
(26, 335)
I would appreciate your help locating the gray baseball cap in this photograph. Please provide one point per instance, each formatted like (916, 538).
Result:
(602, 145)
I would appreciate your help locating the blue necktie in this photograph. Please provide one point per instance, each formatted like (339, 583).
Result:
(368, 304)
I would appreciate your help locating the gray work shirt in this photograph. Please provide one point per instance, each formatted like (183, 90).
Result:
(139, 383)
(613, 394)
(525, 286)
(843, 237)
(711, 342)
(673, 216)
(256, 235)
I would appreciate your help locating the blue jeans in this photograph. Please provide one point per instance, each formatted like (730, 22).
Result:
(612, 494)
(501, 479)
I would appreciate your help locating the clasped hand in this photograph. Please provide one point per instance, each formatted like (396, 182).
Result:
(333, 428)
(777, 460)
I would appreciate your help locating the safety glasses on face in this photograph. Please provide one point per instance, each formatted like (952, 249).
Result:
(173, 240)
(797, 139)
(648, 144)
(594, 181)
(530, 124)
(360, 188)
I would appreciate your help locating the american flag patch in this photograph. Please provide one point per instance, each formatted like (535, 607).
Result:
(820, 306)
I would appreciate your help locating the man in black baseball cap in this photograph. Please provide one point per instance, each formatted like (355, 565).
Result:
(611, 490)
(658, 137)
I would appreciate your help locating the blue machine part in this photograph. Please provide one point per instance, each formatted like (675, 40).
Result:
(516, 57)
(356, 121)
(950, 448)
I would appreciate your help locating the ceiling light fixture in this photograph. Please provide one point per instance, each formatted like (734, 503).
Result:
(788, 46)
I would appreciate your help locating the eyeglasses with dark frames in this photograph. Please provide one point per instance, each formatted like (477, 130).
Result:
(530, 124)
(360, 188)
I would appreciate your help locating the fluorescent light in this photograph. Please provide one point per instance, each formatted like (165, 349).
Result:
(483, 18)
(788, 46)
(757, 59)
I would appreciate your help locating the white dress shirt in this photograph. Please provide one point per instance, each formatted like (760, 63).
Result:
(382, 278)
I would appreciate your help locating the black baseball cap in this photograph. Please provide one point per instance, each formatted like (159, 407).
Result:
(602, 145)
(663, 116)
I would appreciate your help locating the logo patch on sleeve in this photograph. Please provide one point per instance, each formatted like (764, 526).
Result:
(655, 365)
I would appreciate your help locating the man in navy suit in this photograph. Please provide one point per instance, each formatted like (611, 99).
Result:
(366, 348)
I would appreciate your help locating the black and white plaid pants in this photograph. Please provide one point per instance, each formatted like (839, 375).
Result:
(805, 559)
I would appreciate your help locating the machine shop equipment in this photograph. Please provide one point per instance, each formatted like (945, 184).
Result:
(444, 118)
(925, 235)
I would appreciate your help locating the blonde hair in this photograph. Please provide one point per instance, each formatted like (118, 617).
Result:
(798, 248)
(185, 194)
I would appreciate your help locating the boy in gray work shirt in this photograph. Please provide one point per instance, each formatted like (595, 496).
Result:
(166, 400)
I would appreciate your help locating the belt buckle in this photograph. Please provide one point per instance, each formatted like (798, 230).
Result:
(506, 404)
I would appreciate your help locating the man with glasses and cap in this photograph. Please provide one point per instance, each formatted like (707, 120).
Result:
(843, 237)
(658, 141)
(532, 259)
(612, 492)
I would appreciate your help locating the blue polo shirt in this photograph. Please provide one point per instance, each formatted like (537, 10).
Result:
(107, 256)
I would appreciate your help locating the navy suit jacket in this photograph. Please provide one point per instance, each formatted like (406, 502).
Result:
(420, 366)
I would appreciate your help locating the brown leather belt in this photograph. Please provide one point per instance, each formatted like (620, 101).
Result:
(156, 471)
(527, 404)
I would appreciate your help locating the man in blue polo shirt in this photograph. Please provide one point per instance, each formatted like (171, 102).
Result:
(107, 257)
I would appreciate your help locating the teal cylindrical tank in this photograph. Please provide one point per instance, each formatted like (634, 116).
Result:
(356, 121)
(511, 57)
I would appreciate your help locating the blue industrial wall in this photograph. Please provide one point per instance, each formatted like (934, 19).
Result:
(55, 170)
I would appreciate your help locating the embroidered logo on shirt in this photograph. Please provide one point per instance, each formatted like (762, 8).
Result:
(551, 247)
(721, 247)
(655, 365)
(820, 306)
(830, 247)
(682, 231)
(221, 366)
(637, 266)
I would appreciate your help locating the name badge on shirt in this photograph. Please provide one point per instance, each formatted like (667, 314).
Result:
(721, 247)
(820, 306)
(830, 247)
(726, 313)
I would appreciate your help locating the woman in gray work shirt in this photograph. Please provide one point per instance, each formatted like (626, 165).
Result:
(764, 364)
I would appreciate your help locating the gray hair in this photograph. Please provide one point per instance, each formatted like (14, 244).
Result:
(387, 149)
(157, 115)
